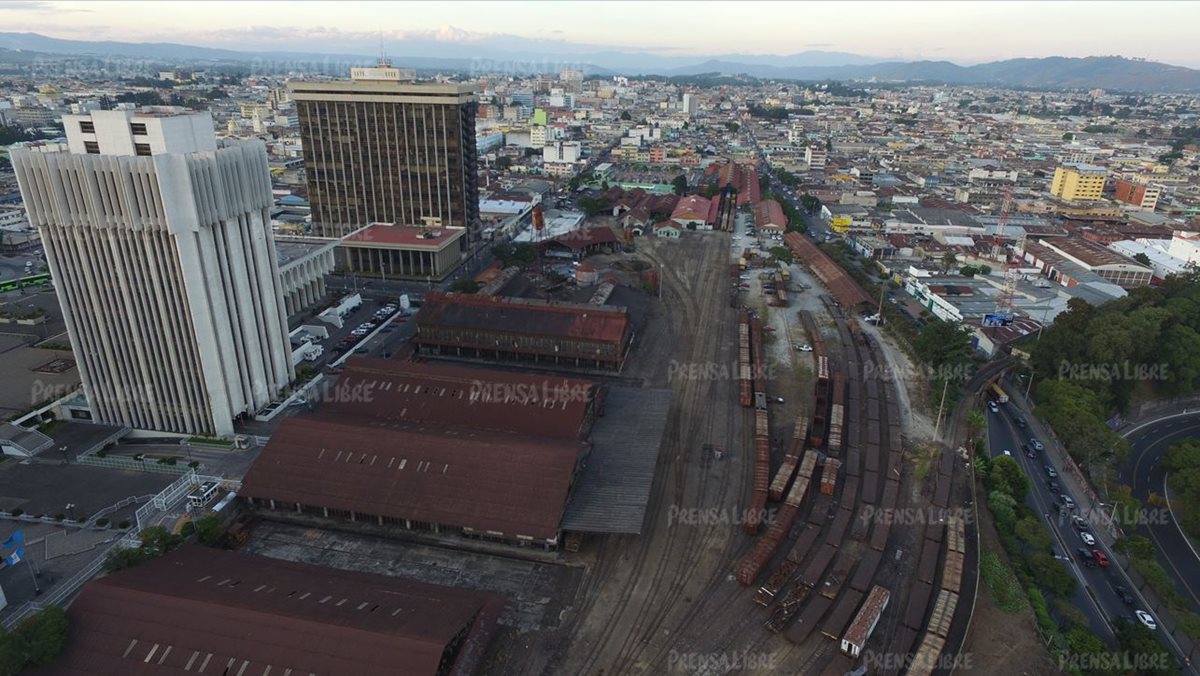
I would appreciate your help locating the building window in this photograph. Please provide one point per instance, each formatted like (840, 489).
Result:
(91, 147)
(142, 149)
(138, 128)
(87, 127)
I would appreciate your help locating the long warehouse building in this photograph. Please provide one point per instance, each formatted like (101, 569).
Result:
(593, 337)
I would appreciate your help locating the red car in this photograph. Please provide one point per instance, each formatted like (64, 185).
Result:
(1100, 557)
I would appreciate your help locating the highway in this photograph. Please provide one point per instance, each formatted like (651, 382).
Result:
(1145, 474)
(1096, 596)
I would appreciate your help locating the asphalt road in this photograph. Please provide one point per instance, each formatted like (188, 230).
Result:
(1096, 596)
(1146, 474)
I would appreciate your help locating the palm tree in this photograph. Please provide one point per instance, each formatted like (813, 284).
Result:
(975, 424)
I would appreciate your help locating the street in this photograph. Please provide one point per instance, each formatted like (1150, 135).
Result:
(1145, 474)
(1096, 596)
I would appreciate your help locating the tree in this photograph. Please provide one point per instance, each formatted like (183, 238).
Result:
(1143, 648)
(1135, 546)
(946, 347)
(782, 254)
(465, 285)
(1141, 258)
(1006, 476)
(44, 635)
(680, 184)
(985, 269)
(503, 162)
(809, 203)
(975, 423)
(209, 530)
(949, 260)
(1004, 511)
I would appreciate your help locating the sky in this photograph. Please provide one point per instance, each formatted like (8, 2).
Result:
(963, 32)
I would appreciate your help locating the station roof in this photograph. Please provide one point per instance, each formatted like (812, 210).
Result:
(507, 483)
(485, 400)
(843, 287)
(205, 610)
(497, 314)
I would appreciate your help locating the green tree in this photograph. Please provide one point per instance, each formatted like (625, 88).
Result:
(985, 269)
(503, 162)
(44, 635)
(465, 285)
(1135, 546)
(1051, 574)
(1006, 476)
(810, 203)
(1142, 647)
(1004, 511)
(680, 184)
(976, 421)
(1141, 258)
(782, 254)
(949, 260)
(1087, 647)
(209, 530)
(12, 654)
(1031, 530)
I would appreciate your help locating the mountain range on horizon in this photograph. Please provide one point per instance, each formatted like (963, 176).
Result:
(500, 55)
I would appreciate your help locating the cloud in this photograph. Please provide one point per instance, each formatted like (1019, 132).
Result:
(37, 7)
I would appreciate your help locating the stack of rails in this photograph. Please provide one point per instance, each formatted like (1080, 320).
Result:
(744, 374)
(764, 548)
(787, 468)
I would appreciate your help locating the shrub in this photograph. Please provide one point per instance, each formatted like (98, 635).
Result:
(102, 521)
(18, 512)
(44, 635)
(1000, 580)
(124, 524)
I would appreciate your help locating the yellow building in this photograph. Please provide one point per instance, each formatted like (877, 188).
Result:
(840, 224)
(1078, 182)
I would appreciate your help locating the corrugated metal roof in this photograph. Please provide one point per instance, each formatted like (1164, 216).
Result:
(209, 611)
(507, 483)
(614, 487)
(524, 316)
(482, 399)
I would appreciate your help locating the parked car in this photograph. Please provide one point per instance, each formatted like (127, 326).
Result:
(1101, 559)
(1050, 472)
(804, 348)
(1146, 619)
(1066, 501)
(1087, 538)
(1029, 452)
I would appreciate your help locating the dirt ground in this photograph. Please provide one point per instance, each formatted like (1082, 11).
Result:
(1001, 643)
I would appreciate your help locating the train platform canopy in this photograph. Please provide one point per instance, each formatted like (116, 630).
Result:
(206, 611)
(614, 486)
(843, 287)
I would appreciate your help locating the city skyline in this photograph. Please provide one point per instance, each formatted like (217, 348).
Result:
(964, 33)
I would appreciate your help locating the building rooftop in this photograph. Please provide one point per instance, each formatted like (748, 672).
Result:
(524, 316)
(405, 236)
(484, 400)
(1090, 253)
(205, 610)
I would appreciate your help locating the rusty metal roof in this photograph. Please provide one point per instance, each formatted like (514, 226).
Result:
(208, 611)
(455, 476)
(841, 285)
(497, 314)
(481, 399)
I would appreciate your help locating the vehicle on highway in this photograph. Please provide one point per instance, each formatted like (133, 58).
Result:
(1085, 557)
(1008, 452)
(1037, 445)
(1029, 452)
(1019, 421)
(1123, 594)
(1087, 538)
(1066, 501)
(993, 407)
(1101, 559)
(1079, 522)
(1050, 471)
(1146, 619)
(804, 348)
(1053, 486)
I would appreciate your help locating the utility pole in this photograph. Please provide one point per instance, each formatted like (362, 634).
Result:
(937, 427)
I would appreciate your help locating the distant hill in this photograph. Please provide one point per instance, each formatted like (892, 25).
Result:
(1056, 72)
(1106, 72)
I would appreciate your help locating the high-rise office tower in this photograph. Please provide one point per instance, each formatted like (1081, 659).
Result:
(163, 260)
(383, 148)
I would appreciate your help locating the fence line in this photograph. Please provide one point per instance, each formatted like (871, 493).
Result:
(133, 465)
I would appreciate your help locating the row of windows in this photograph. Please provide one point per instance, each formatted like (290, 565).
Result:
(93, 148)
(89, 127)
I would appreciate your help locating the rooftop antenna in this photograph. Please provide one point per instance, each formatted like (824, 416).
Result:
(383, 60)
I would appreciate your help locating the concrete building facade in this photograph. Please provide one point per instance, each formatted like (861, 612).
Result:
(381, 147)
(165, 268)
(1076, 181)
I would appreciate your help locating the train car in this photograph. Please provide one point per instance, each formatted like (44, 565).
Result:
(864, 623)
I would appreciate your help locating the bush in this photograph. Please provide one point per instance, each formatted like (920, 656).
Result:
(123, 525)
(18, 512)
(60, 517)
(102, 521)
(1000, 580)
(44, 635)
(209, 530)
